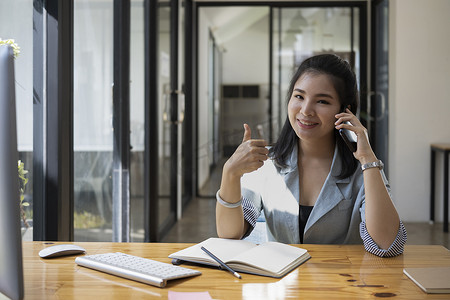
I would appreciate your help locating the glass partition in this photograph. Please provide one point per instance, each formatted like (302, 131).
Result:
(93, 111)
(164, 68)
(93, 132)
(233, 89)
(299, 33)
(137, 121)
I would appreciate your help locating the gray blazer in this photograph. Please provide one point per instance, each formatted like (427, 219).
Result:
(335, 218)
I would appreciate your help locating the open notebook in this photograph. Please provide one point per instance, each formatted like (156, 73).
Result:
(268, 259)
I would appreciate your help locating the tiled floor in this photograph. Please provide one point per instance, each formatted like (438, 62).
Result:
(198, 224)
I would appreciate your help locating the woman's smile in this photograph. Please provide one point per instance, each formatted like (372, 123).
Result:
(306, 124)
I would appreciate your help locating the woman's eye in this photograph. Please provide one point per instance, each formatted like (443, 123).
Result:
(323, 102)
(299, 97)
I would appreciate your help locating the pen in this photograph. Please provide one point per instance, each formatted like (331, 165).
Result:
(221, 263)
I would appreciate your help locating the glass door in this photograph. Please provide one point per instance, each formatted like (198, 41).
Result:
(93, 111)
(233, 75)
(137, 120)
(94, 139)
(170, 117)
(166, 206)
(298, 33)
(164, 109)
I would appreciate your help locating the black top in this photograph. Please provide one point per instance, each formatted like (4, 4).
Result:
(304, 212)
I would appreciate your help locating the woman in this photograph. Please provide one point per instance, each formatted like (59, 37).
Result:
(310, 186)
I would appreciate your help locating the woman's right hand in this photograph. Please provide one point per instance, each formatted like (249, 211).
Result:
(248, 157)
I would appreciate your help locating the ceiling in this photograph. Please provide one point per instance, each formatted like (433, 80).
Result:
(229, 21)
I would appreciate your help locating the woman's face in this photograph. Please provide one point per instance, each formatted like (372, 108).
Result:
(312, 108)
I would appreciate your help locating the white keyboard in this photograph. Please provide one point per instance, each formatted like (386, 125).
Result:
(136, 268)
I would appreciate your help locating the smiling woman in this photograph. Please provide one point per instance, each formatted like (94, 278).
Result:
(308, 184)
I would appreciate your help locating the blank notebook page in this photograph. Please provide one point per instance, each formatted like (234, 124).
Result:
(271, 256)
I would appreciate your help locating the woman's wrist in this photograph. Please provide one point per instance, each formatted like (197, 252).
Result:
(230, 189)
(228, 174)
(226, 203)
(368, 159)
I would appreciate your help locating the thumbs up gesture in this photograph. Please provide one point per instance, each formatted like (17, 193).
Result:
(249, 156)
(247, 133)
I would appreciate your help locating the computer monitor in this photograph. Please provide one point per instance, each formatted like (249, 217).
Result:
(11, 268)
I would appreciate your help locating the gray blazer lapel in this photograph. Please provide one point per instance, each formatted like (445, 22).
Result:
(291, 215)
(333, 192)
(291, 179)
(290, 174)
(329, 197)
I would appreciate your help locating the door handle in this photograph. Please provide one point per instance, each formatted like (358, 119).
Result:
(166, 110)
(181, 106)
(380, 95)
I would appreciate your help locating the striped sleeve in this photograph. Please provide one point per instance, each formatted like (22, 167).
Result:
(395, 249)
(251, 214)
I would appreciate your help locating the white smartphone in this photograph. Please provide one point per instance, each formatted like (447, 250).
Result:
(349, 137)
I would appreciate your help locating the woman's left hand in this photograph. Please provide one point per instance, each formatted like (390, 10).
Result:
(364, 152)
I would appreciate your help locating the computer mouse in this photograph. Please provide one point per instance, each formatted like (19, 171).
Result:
(61, 250)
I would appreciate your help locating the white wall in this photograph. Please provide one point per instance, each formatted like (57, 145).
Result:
(246, 60)
(203, 79)
(419, 100)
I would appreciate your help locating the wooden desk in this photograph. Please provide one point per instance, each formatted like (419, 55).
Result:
(337, 272)
(445, 149)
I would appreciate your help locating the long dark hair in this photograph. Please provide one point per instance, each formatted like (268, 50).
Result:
(344, 81)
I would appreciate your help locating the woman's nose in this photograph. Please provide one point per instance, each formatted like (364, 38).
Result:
(307, 109)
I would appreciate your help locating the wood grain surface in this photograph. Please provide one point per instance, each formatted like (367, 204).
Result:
(334, 272)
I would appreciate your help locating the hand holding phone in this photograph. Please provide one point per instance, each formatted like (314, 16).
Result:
(349, 138)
